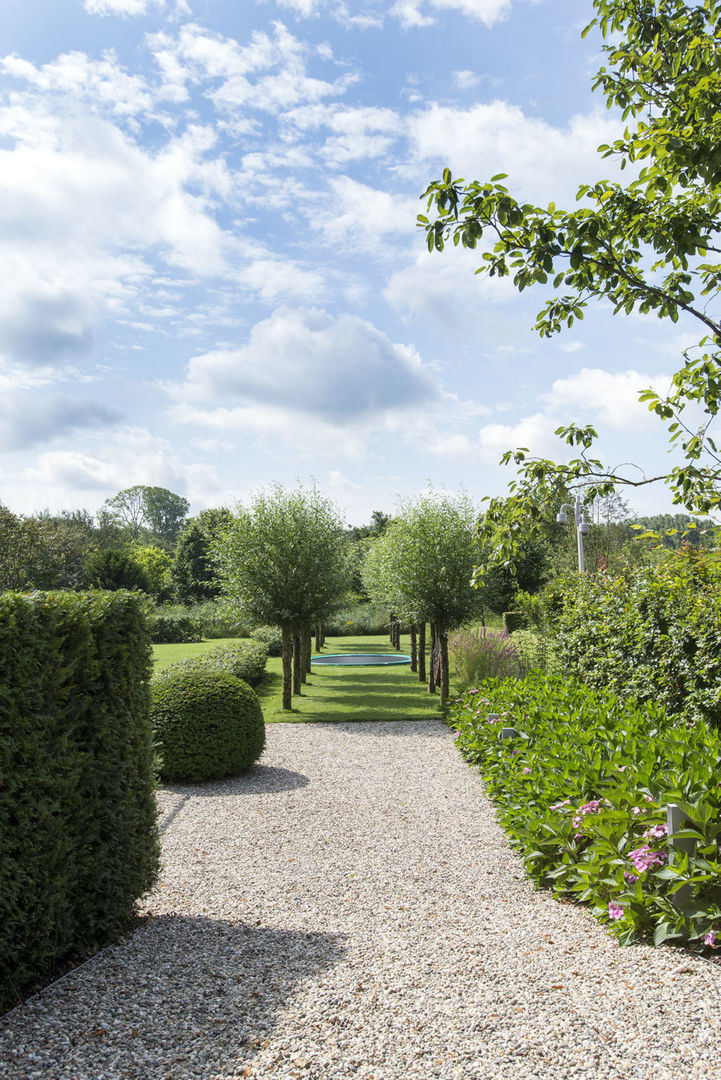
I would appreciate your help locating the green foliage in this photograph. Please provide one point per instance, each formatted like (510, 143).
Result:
(146, 511)
(243, 659)
(171, 628)
(358, 619)
(194, 570)
(654, 634)
(421, 565)
(481, 654)
(23, 557)
(650, 246)
(583, 790)
(78, 833)
(155, 563)
(284, 559)
(207, 723)
(271, 637)
(111, 569)
(536, 652)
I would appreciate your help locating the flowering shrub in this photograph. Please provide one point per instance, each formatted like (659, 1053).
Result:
(582, 792)
(482, 654)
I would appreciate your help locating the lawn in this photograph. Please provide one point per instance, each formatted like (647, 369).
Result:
(335, 693)
(170, 654)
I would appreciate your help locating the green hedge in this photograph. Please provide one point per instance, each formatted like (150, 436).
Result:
(654, 634)
(583, 789)
(207, 723)
(78, 835)
(171, 629)
(244, 659)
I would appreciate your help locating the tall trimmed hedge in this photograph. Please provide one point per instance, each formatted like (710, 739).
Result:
(654, 634)
(78, 833)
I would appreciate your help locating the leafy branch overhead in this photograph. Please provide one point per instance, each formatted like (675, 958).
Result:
(649, 246)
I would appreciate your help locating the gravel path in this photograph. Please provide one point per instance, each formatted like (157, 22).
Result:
(351, 909)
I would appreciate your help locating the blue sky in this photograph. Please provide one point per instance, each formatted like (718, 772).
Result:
(213, 279)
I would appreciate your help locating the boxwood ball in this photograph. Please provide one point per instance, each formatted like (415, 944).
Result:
(207, 724)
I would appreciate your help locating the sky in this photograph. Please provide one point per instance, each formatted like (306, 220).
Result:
(213, 279)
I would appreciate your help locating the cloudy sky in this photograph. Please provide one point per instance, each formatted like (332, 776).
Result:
(213, 278)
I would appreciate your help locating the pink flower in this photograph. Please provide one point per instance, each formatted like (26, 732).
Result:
(644, 859)
(656, 832)
(560, 805)
(710, 939)
(629, 878)
(615, 911)
(526, 770)
(636, 810)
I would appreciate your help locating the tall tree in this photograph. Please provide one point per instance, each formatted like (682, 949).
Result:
(650, 245)
(283, 559)
(194, 571)
(143, 509)
(24, 562)
(422, 567)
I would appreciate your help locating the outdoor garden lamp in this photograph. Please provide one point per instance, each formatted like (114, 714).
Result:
(582, 526)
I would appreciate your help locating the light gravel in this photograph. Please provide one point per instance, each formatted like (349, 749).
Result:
(351, 908)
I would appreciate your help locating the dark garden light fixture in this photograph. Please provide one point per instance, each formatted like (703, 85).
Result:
(582, 526)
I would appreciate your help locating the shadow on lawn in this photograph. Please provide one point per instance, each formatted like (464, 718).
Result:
(198, 993)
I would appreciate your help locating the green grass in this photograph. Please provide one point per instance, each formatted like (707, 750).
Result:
(335, 693)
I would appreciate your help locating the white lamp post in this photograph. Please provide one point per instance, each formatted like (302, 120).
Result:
(582, 526)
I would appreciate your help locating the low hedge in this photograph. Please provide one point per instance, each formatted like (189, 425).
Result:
(173, 629)
(582, 791)
(208, 724)
(244, 659)
(78, 832)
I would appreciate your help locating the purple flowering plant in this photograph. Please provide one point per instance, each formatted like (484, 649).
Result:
(582, 792)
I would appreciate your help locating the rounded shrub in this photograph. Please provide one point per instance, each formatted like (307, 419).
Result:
(207, 724)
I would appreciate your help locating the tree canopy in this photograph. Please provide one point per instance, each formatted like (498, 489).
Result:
(154, 510)
(650, 245)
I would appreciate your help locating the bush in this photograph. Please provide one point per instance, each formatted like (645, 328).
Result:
(535, 652)
(583, 791)
(654, 634)
(111, 569)
(358, 620)
(271, 637)
(171, 629)
(207, 724)
(219, 619)
(78, 831)
(243, 659)
(481, 654)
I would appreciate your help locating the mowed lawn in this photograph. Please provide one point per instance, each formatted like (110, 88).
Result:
(335, 693)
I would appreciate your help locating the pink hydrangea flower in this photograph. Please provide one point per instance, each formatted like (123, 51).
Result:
(636, 810)
(644, 858)
(629, 878)
(710, 939)
(593, 807)
(656, 832)
(615, 911)
(560, 805)
(525, 770)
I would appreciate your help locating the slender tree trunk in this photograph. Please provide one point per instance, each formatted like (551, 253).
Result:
(296, 664)
(414, 648)
(422, 652)
(432, 664)
(307, 650)
(318, 637)
(287, 655)
(445, 673)
(392, 630)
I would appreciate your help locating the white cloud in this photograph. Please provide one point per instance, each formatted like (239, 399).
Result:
(362, 217)
(611, 397)
(544, 162)
(336, 369)
(535, 432)
(122, 7)
(466, 80)
(102, 82)
(417, 13)
(27, 419)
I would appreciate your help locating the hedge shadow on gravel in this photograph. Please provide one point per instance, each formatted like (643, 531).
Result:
(260, 780)
(184, 996)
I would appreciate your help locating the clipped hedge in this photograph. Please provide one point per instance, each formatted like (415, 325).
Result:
(244, 659)
(208, 724)
(582, 791)
(78, 834)
(654, 634)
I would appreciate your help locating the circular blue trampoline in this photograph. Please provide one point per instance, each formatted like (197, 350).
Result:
(360, 659)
